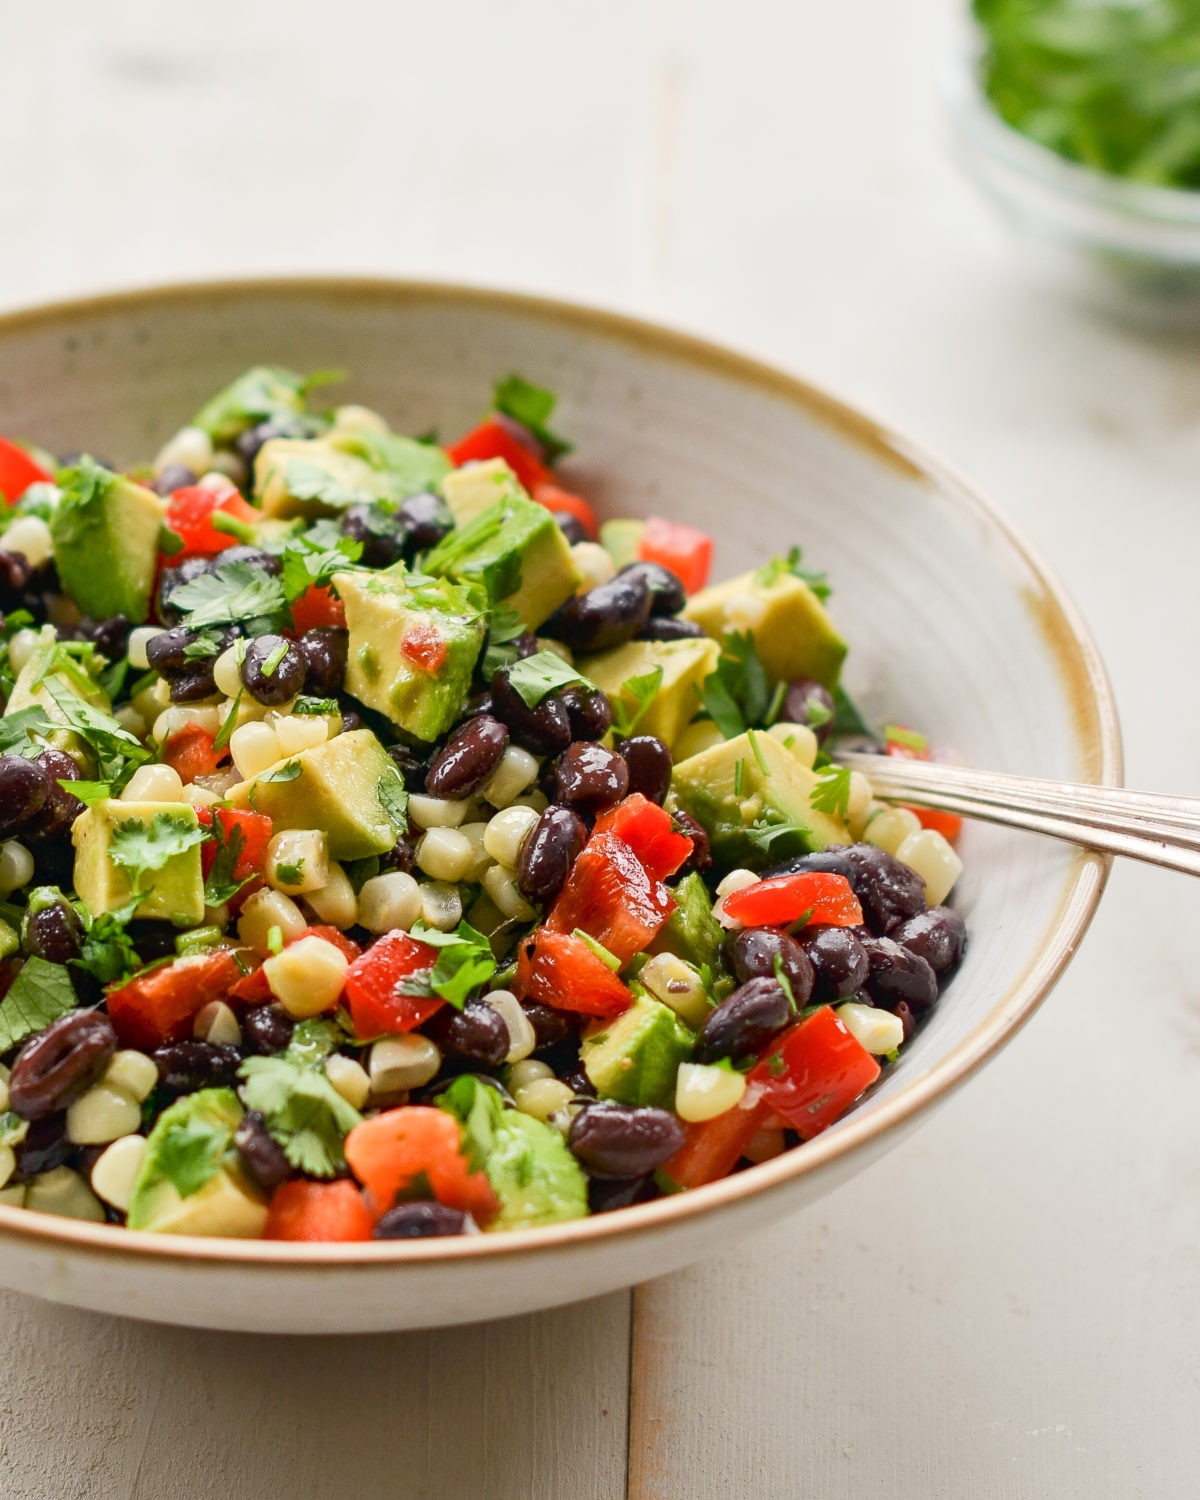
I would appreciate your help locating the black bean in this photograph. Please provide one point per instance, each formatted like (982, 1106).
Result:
(670, 628)
(897, 974)
(545, 730)
(577, 1080)
(701, 856)
(15, 573)
(607, 1193)
(184, 1067)
(263, 562)
(50, 927)
(623, 1140)
(822, 861)
(266, 1029)
(571, 526)
(904, 1014)
(548, 852)
(667, 593)
(938, 935)
(379, 531)
(287, 666)
(61, 807)
(325, 649)
(649, 763)
(589, 777)
(477, 1032)
(193, 686)
(550, 1026)
(174, 578)
(110, 637)
(153, 939)
(839, 959)
(588, 712)
(751, 954)
(426, 520)
(45, 1145)
(24, 787)
(262, 1155)
(60, 1064)
(422, 1219)
(53, 858)
(886, 888)
(744, 1021)
(167, 651)
(806, 698)
(351, 718)
(173, 477)
(283, 426)
(467, 759)
(402, 856)
(411, 767)
(605, 616)
(526, 644)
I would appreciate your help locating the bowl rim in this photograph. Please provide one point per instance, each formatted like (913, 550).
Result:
(1067, 639)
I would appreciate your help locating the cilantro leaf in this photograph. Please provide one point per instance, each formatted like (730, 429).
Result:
(313, 1040)
(535, 676)
(222, 883)
(302, 1110)
(478, 1109)
(40, 993)
(832, 791)
(232, 593)
(393, 798)
(772, 826)
(771, 572)
(643, 690)
(289, 771)
(738, 694)
(141, 848)
(505, 626)
(262, 392)
(23, 728)
(117, 751)
(307, 563)
(532, 407)
(108, 952)
(464, 963)
(189, 1151)
(409, 464)
(306, 480)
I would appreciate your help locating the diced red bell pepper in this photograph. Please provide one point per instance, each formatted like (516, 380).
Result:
(254, 828)
(315, 607)
(612, 898)
(648, 831)
(424, 645)
(253, 989)
(373, 995)
(320, 1212)
(492, 439)
(18, 471)
(948, 824)
(190, 512)
(190, 752)
(554, 498)
(158, 1007)
(784, 898)
(559, 969)
(814, 1073)
(683, 549)
(714, 1147)
(387, 1153)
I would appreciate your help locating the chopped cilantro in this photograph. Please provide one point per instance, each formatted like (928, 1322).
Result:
(222, 883)
(790, 562)
(289, 771)
(302, 1110)
(738, 694)
(739, 776)
(190, 1151)
(393, 798)
(22, 731)
(117, 751)
(313, 1040)
(815, 712)
(505, 626)
(289, 873)
(87, 791)
(314, 707)
(232, 593)
(535, 676)
(230, 722)
(274, 939)
(477, 1109)
(776, 1066)
(308, 563)
(606, 957)
(785, 983)
(846, 717)
(832, 791)
(758, 755)
(532, 407)
(141, 848)
(108, 952)
(40, 993)
(900, 734)
(643, 690)
(464, 963)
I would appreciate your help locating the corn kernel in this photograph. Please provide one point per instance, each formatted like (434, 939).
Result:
(199, 796)
(131, 1073)
(349, 1078)
(227, 669)
(100, 1115)
(677, 984)
(116, 1170)
(179, 716)
(480, 858)
(859, 796)
(267, 909)
(297, 861)
(700, 735)
(702, 1091)
(335, 902)
(8, 1164)
(153, 783)
(501, 886)
(543, 1097)
(798, 738)
(506, 832)
(889, 829)
(389, 901)
(522, 1038)
(297, 732)
(444, 854)
(935, 860)
(878, 1031)
(306, 978)
(254, 747)
(523, 1073)
(354, 418)
(399, 1063)
(216, 1023)
(30, 535)
(190, 448)
(139, 638)
(435, 812)
(517, 770)
(62, 1191)
(858, 823)
(441, 906)
(16, 866)
(594, 564)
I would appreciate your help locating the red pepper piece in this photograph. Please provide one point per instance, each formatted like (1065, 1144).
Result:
(318, 1211)
(610, 896)
(493, 440)
(388, 1152)
(648, 830)
(424, 645)
(152, 1009)
(317, 606)
(814, 1073)
(190, 513)
(559, 969)
(714, 1147)
(554, 498)
(686, 551)
(784, 898)
(255, 831)
(190, 752)
(18, 471)
(373, 995)
(253, 989)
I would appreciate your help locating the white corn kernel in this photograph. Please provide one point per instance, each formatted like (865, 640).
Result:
(116, 1170)
(179, 716)
(798, 738)
(101, 1115)
(139, 639)
(306, 978)
(389, 901)
(190, 448)
(227, 669)
(132, 1073)
(199, 796)
(435, 812)
(543, 1097)
(267, 909)
(63, 1192)
(399, 1063)
(878, 1031)
(523, 1073)
(703, 1092)
(677, 984)
(506, 832)
(8, 1164)
(31, 536)
(700, 735)
(860, 794)
(335, 902)
(522, 1038)
(480, 858)
(517, 770)
(501, 886)
(153, 783)
(355, 418)
(297, 732)
(254, 747)
(737, 880)
(444, 854)
(216, 1023)
(16, 866)
(161, 693)
(349, 1078)
(297, 861)
(888, 830)
(594, 564)
(935, 860)
(534, 798)
(858, 823)
(441, 906)
(131, 721)
(22, 646)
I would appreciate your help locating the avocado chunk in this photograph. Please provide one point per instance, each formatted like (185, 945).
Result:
(50, 661)
(471, 490)
(621, 540)
(106, 531)
(312, 477)
(175, 891)
(692, 932)
(262, 392)
(516, 550)
(793, 634)
(189, 1181)
(409, 465)
(413, 646)
(348, 788)
(634, 1057)
(753, 782)
(685, 665)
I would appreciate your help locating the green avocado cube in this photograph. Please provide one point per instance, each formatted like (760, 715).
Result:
(261, 392)
(413, 646)
(692, 932)
(311, 477)
(474, 488)
(348, 788)
(634, 1057)
(517, 551)
(792, 631)
(175, 892)
(685, 664)
(106, 531)
(740, 783)
(621, 539)
(533, 1174)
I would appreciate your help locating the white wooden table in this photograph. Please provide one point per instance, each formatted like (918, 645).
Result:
(1010, 1304)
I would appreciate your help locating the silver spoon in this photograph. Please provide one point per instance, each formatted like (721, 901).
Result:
(1152, 826)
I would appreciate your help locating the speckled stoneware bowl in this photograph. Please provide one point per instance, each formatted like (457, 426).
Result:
(953, 624)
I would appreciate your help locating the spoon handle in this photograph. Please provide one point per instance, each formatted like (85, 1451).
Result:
(1152, 826)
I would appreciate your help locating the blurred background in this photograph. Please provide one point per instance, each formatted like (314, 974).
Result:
(1008, 1305)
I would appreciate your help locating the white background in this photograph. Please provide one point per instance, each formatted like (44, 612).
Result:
(1010, 1304)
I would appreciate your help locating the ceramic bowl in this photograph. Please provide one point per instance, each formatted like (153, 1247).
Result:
(954, 624)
